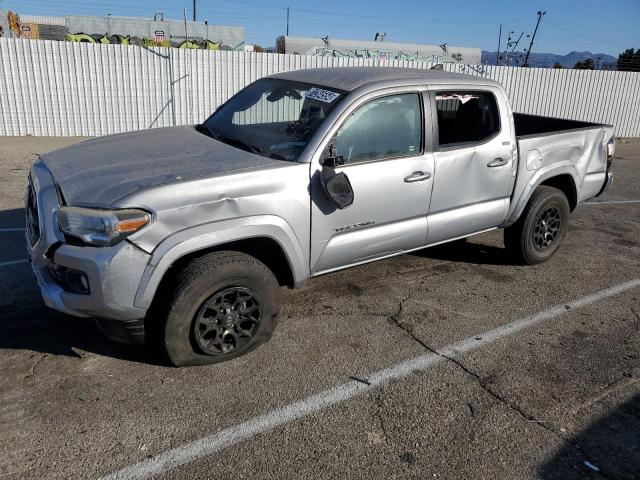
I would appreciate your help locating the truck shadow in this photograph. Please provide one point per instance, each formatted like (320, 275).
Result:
(467, 252)
(37, 328)
(27, 324)
(13, 218)
(608, 448)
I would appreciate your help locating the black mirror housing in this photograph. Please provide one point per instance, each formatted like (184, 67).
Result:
(337, 187)
(331, 158)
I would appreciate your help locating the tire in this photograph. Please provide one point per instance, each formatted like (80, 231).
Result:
(541, 228)
(204, 290)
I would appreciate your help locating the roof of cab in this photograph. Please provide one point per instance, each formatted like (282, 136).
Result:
(350, 78)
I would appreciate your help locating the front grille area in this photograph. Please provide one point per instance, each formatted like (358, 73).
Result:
(31, 211)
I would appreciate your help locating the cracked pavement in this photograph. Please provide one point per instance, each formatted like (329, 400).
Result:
(558, 400)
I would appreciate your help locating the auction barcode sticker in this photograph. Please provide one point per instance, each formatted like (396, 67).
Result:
(325, 96)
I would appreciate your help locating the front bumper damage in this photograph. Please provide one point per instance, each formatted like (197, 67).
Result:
(113, 273)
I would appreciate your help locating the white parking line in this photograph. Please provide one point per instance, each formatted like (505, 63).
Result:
(611, 202)
(16, 229)
(230, 436)
(12, 262)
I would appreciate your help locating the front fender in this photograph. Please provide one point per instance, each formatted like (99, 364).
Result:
(213, 234)
(553, 170)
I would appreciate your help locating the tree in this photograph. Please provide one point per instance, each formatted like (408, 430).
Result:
(585, 65)
(629, 60)
(557, 65)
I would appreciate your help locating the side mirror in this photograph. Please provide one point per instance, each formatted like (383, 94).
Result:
(337, 187)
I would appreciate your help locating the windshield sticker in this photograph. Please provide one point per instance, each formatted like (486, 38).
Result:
(321, 95)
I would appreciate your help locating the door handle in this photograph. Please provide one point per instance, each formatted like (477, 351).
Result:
(417, 177)
(497, 162)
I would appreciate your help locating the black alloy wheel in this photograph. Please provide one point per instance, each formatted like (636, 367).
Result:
(546, 228)
(227, 321)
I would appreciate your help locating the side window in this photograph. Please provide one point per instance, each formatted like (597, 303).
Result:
(386, 127)
(465, 117)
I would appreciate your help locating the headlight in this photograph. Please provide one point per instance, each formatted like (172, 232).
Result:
(100, 227)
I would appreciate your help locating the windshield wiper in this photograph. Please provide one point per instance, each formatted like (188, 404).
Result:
(228, 140)
(238, 143)
(202, 128)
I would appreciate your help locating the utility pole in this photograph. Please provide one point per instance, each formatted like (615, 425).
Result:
(186, 32)
(506, 49)
(287, 21)
(194, 10)
(533, 37)
(499, 39)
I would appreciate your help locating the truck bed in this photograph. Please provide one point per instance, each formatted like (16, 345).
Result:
(554, 146)
(537, 125)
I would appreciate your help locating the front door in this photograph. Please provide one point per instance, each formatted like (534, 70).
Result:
(382, 142)
(474, 163)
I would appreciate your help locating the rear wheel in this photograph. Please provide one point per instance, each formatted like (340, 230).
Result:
(541, 228)
(224, 305)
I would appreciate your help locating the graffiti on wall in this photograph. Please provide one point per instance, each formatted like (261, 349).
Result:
(99, 30)
(14, 24)
(104, 39)
(158, 40)
(472, 69)
(383, 55)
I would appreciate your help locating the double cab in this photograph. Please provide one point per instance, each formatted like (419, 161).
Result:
(183, 236)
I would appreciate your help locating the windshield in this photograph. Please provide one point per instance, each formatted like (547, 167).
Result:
(272, 117)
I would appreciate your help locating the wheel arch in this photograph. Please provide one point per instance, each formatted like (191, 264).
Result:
(565, 183)
(564, 177)
(273, 243)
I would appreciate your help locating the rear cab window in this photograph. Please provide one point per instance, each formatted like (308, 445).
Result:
(466, 117)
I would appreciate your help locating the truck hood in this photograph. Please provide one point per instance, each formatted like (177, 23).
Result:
(101, 171)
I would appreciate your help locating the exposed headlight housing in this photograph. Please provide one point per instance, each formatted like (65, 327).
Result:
(100, 228)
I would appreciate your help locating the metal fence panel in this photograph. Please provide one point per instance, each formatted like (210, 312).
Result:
(66, 88)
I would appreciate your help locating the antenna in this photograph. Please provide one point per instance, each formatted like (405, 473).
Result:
(287, 21)
(526, 58)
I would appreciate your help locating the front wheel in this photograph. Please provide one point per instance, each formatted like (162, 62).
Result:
(539, 231)
(225, 304)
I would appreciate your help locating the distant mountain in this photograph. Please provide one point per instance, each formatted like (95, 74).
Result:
(550, 59)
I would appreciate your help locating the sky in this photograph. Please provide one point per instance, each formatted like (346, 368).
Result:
(569, 25)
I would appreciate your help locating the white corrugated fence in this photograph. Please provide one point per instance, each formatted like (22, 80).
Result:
(67, 89)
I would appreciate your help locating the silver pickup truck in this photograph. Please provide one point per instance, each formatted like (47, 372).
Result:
(184, 235)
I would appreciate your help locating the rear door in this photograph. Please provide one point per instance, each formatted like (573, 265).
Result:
(475, 161)
(388, 160)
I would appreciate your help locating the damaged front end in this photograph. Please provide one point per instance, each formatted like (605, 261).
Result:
(75, 277)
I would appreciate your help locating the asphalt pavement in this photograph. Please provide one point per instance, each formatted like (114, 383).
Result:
(446, 363)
